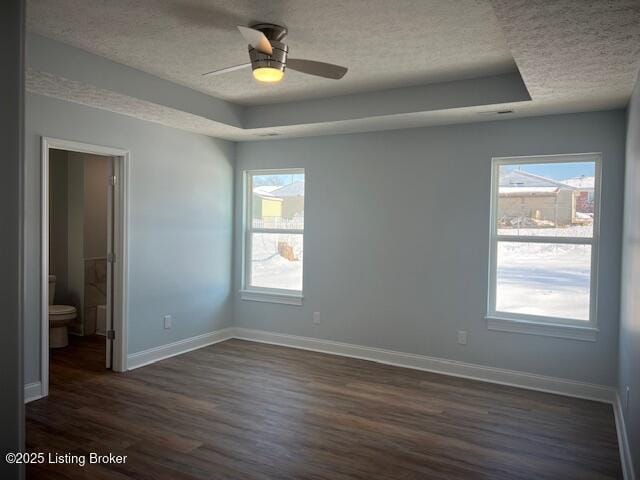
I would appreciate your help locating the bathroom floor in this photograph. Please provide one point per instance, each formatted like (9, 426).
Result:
(88, 353)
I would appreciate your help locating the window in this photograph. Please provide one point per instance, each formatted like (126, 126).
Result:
(544, 233)
(274, 236)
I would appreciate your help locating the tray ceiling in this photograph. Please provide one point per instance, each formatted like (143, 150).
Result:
(384, 43)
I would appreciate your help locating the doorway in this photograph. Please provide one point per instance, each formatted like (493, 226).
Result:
(87, 248)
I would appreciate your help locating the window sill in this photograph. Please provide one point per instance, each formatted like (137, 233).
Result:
(572, 332)
(272, 297)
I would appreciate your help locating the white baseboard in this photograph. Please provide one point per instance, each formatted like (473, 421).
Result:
(152, 355)
(443, 366)
(32, 391)
(623, 441)
(571, 388)
(501, 376)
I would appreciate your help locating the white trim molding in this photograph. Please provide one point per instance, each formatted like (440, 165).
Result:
(573, 332)
(33, 391)
(121, 244)
(530, 381)
(514, 378)
(571, 328)
(623, 441)
(272, 297)
(249, 291)
(155, 354)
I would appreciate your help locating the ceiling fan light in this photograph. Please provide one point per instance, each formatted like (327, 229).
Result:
(268, 74)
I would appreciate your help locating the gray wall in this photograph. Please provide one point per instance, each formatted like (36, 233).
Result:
(630, 310)
(11, 130)
(397, 238)
(180, 232)
(96, 204)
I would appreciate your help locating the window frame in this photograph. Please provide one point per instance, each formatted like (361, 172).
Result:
(266, 294)
(536, 324)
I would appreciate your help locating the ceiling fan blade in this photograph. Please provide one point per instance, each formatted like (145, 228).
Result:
(227, 70)
(256, 39)
(320, 69)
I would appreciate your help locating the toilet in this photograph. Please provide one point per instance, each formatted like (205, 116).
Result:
(60, 316)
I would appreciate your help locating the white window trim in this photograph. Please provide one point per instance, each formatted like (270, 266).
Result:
(261, 294)
(270, 296)
(533, 324)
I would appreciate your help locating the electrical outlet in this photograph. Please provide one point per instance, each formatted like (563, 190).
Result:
(316, 318)
(462, 337)
(167, 322)
(627, 393)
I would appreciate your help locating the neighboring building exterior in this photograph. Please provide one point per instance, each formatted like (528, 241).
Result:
(528, 200)
(293, 199)
(276, 205)
(585, 187)
(265, 204)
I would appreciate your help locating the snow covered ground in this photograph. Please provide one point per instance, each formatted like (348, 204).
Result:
(270, 269)
(544, 279)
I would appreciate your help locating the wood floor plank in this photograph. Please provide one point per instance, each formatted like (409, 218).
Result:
(244, 410)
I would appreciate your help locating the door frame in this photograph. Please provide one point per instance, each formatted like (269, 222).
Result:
(120, 243)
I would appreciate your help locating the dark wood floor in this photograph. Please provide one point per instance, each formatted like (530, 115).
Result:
(242, 410)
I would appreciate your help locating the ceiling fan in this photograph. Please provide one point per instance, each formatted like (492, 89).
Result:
(268, 55)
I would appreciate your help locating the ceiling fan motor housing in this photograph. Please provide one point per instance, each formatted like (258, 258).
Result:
(278, 58)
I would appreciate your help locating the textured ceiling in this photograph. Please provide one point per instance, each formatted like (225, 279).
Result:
(570, 50)
(384, 43)
(572, 55)
(90, 95)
